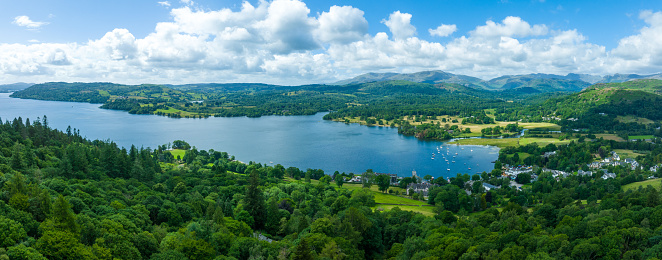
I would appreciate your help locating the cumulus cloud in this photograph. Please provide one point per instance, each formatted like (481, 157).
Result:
(511, 26)
(400, 25)
(164, 3)
(24, 21)
(342, 25)
(443, 30)
(281, 42)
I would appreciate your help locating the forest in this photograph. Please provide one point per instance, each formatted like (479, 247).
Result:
(66, 197)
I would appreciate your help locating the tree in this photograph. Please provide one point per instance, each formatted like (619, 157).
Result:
(11, 232)
(368, 178)
(523, 178)
(254, 200)
(383, 182)
(326, 179)
(63, 216)
(339, 180)
(302, 251)
(181, 145)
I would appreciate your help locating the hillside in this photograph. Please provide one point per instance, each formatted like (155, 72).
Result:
(418, 77)
(14, 87)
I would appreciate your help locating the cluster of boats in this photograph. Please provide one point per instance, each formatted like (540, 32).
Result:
(439, 151)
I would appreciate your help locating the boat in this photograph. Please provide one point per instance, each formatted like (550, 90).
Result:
(453, 161)
(448, 169)
(469, 168)
(432, 158)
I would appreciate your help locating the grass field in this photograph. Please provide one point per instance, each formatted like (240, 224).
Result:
(176, 111)
(426, 211)
(627, 153)
(475, 129)
(610, 137)
(634, 119)
(177, 152)
(505, 142)
(640, 137)
(656, 183)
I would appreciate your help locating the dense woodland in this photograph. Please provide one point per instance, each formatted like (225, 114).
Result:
(64, 197)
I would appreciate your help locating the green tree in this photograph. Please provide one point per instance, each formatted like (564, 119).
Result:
(11, 232)
(254, 200)
(21, 252)
(339, 180)
(63, 216)
(383, 182)
(302, 251)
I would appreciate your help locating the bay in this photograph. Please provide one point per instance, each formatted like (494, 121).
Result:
(299, 141)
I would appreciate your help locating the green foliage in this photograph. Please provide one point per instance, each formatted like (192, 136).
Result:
(66, 204)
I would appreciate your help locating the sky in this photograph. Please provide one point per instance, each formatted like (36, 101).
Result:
(292, 42)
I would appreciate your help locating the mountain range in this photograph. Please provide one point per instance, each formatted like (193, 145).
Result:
(529, 83)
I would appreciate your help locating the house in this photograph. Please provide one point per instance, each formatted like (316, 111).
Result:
(654, 168)
(489, 187)
(548, 154)
(609, 175)
(394, 177)
(356, 178)
(420, 188)
(584, 173)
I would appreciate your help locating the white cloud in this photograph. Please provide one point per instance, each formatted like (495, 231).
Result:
(511, 26)
(33, 41)
(281, 42)
(342, 25)
(25, 21)
(164, 3)
(400, 25)
(443, 30)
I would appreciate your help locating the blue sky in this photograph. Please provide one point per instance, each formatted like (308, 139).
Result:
(293, 42)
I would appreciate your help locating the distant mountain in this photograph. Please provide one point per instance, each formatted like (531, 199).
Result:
(616, 78)
(14, 87)
(431, 77)
(540, 83)
(522, 84)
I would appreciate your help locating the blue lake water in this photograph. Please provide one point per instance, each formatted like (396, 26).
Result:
(299, 141)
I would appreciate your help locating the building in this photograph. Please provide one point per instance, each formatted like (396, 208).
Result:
(420, 188)
(356, 178)
(609, 175)
(584, 173)
(489, 187)
(394, 177)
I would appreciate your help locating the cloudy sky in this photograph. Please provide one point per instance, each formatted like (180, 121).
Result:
(295, 42)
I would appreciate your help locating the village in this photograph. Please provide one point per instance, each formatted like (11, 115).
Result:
(422, 186)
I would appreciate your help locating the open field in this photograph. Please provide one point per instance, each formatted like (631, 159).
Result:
(177, 152)
(610, 137)
(426, 211)
(627, 153)
(505, 142)
(640, 137)
(634, 119)
(656, 183)
(475, 129)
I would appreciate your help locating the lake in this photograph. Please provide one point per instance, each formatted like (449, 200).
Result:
(299, 141)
